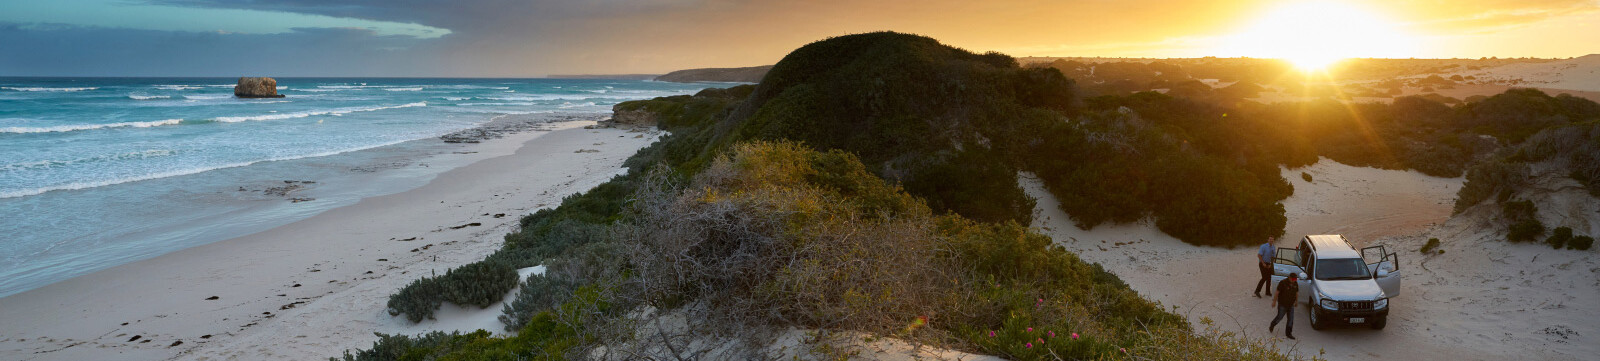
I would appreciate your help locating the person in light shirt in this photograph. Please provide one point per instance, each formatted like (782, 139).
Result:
(1264, 262)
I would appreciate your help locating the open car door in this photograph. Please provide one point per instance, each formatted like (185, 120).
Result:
(1385, 267)
(1287, 261)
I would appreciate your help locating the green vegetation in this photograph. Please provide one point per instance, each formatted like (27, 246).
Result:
(1428, 247)
(868, 183)
(1581, 243)
(1563, 237)
(479, 284)
(1523, 219)
(548, 335)
(1559, 237)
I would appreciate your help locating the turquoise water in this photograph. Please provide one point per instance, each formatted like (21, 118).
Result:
(98, 172)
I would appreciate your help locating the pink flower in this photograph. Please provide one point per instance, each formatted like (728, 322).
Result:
(991, 333)
(1030, 329)
(1040, 341)
(1124, 350)
(1052, 334)
(1074, 335)
(1029, 345)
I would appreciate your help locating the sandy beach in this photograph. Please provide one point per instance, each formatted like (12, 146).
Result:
(314, 288)
(1483, 299)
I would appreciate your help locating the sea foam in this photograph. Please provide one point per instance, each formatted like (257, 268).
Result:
(311, 113)
(175, 173)
(40, 89)
(144, 154)
(77, 127)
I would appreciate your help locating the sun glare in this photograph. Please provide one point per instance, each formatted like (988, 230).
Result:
(1315, 34)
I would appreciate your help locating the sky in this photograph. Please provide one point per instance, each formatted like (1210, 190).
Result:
(529, 38)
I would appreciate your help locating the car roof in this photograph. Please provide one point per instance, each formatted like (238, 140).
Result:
(1331, 246)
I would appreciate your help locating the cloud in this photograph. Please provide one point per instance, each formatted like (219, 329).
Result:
(68, 50)
(1489, 16)
(538, 37)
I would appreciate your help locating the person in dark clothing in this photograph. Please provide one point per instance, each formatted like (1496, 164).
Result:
(1264, 263)
(1288, 291)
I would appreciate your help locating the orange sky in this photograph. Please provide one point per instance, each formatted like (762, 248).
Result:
(752, 33)
(539, 37)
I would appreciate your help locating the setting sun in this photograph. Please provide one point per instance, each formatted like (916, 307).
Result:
(1315, 34)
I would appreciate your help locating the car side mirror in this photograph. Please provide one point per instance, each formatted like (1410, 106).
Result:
(1383, 272)
(1302, 275)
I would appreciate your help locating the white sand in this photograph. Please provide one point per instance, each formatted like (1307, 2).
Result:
(334, 257)
(1484, 299)
(1581, 73)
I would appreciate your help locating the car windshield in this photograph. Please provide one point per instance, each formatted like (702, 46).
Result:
(1342, 269)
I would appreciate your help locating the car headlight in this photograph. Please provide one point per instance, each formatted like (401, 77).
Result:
(1329, 304)
(1381, 303)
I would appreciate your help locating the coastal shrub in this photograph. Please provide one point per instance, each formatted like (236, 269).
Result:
(1489, 179)
(1524, 221)
(544, 338)
(760, 238)
(1559, 237)
(538, 294)
(769, 225)
(417, 300)
(559, 333)
(481, 284)
(764, 233)
(1305, 176)
(1519, 113)
(1432, 243)
(914, 111)
(1581, 243)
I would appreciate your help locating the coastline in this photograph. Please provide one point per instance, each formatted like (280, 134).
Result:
(315, 287)
(174, 213)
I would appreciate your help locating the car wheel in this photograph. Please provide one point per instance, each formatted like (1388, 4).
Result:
(1316, 323)
(1377, 324)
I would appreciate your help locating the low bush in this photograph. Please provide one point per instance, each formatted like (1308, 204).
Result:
(1559, 237)
(479, 284)
(558, 333)
(1581, 243)
(539, 293)
(417, 300)
(1432, 243)
(1523, 219)
(1305, 176)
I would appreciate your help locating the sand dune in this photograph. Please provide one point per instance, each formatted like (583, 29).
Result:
(1581, 73)
(1483, 299)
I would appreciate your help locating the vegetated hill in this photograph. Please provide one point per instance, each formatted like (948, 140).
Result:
(865, 185)
(731, 75)
(604, 76)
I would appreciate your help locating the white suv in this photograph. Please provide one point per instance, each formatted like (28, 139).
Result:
(1343, 286)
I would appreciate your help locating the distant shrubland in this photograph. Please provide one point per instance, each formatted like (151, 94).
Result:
(868, 184)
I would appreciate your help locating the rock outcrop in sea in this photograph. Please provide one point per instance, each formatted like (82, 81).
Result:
(257, 87)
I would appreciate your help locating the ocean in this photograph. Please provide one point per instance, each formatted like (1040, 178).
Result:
(99, 172)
